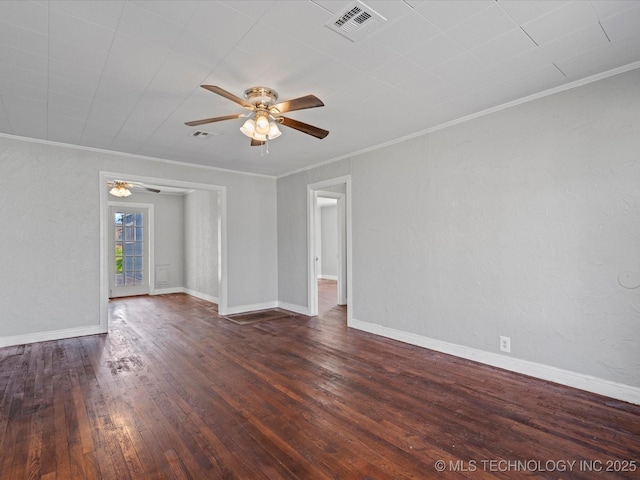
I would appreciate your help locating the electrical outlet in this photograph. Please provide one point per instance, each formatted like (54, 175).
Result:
(505, 344)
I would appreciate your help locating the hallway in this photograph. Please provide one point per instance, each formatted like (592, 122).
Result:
(327, 301)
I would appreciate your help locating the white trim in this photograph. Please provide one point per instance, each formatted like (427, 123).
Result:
(50, 335)
(328, 277)
(243, 308)
(130, 155)
(481, 113)
(294, 308)
(619, 391)
(201, 296)
(222, 252)
(249, 308)
(312, 258)
(166, 291)
(104, 256)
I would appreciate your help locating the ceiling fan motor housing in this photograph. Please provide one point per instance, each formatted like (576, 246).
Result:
(260, 95)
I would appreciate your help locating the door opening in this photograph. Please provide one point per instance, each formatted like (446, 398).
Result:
(329, 264)
(108, 237)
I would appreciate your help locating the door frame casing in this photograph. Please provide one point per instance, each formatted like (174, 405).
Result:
(104, 178)
(312, 283)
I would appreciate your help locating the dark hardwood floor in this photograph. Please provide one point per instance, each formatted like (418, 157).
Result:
(176, 392)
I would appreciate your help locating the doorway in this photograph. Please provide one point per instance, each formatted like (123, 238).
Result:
(339, 190)
(107, 249)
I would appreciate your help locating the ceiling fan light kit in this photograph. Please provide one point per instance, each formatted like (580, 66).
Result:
(262, 124)
(119, 189)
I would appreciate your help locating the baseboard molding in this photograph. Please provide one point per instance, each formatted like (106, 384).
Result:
(328, 277)
(193, 293)
(294, 308)
(267, 305)
(588, 383)
(250, 308)
(50, 335)
(201, 296)
(166, 291)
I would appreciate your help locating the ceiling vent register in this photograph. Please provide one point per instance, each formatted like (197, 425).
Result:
(356, 21)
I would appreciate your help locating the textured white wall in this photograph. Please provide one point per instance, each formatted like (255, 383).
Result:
(521, 223)
(201, 242)
(49, 236)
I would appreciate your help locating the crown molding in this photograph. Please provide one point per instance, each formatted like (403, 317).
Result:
(130, 155)
(482, 113)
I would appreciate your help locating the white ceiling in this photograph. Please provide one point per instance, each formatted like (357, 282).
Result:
(125, 75)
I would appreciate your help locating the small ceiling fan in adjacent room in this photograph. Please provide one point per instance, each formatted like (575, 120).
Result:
(119, 188)
(264, 114)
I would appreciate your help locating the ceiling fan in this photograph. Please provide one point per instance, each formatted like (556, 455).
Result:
(120, 188)
(264, 114)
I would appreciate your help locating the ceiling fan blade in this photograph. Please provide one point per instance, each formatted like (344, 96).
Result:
(140, 186)
(228, 95)
(195, 123)
(256, 143)
(303, 127)
(300, 103)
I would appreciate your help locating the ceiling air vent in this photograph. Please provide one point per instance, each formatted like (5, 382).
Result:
(355, 21)
(200, 134)
(203, 136)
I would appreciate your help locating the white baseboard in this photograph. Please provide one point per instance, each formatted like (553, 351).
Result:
(294, 308)
(50, 335)
(166, 291)
(619, 391)
(201, 296)
(328, 277)
(250, 308)
(193, 293)
(265, 306)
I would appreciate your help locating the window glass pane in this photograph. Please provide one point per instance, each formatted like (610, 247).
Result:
(129, 245)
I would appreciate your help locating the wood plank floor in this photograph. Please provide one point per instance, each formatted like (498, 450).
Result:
(175, 392)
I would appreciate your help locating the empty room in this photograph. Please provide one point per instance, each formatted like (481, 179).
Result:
(319, 239)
